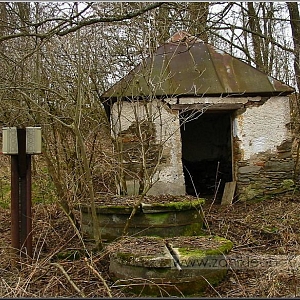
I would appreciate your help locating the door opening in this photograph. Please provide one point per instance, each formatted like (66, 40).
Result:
(206, 152)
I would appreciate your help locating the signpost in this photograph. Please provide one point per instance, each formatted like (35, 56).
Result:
(20, 144)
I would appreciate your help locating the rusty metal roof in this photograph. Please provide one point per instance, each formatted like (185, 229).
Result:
(186, 66)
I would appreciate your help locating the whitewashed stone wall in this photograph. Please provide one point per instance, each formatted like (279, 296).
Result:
(263, 128)
(263, 150)
(168, 179)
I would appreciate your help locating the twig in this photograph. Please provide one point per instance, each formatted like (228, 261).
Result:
(100, 277)
(133, 212)
(69, 279)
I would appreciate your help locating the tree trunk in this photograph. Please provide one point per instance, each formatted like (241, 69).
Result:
(198, 13)
(254, 26)
(295, 26)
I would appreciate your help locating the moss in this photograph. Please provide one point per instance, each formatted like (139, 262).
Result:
(125, 256)
(193, 229)
(226, 245)
(177, 206)
(100, 207)
(254, 192)
(181, 205)
(223, 246)
(157, 218)
(285, 186)
(188, 282)
(288, 184)
(251, 192)
(69, 255)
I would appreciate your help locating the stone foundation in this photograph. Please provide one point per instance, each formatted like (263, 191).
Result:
(266, 174)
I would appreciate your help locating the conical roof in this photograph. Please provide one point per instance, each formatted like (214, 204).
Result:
(186, 66)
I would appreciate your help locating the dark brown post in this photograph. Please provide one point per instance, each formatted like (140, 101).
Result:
(15, 226)
(28, 207)
(21, 143)
(22, 186)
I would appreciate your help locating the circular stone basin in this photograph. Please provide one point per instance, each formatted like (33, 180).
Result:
(173, 266)
(182, 216)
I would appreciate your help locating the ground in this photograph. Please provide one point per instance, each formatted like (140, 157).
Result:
(63, 267)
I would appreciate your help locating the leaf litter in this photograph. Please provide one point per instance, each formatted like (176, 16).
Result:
(269, 227)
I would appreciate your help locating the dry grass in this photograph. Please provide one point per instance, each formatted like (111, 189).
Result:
(61, 268)
(270, 227)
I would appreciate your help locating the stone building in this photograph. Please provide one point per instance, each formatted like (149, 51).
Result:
(191, 118)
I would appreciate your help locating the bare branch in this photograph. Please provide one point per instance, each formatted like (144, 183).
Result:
(60, 30)
(69, 279)
(229, 26)
(110, 19)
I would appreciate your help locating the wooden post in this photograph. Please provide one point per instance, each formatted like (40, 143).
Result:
(228, 194)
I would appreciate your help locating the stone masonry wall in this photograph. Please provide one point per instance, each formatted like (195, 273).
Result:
(263, 149)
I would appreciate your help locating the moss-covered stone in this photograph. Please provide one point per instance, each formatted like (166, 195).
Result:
(158, 260)
(165, 220)
(219, 247)
(140, 277)
(193, 229)
(265, 174)
(173, 206)
(251, 192)
(156, 218)
(288, 184)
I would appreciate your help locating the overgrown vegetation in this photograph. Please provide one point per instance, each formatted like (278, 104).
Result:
(61, 268)
(56, 60)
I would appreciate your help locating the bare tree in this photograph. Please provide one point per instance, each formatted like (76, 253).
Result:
(56, 61)
(295, 26)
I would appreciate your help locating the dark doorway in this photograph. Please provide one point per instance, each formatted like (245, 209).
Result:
(206, 152)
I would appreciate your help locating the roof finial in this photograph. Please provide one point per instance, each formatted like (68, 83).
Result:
(183, 37)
